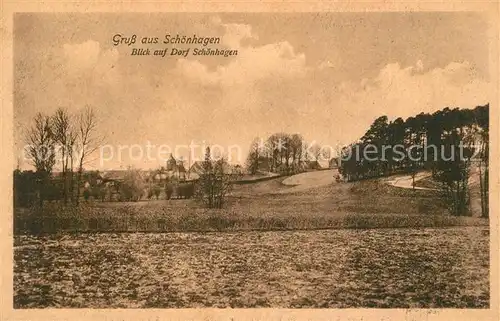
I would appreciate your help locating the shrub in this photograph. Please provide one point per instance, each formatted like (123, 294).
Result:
(86, 194)
(169, 190)
(132, 186)
(185, 190)
(99, 192)
(157, 191)
(215, 182)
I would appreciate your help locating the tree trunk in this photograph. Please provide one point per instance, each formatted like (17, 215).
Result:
(63, 160)
(78, 180)
(485, 183)
(481, 187)
(71, 181)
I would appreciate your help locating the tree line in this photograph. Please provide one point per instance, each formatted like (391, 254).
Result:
(282, 153)
(62, 138)
(446, 143)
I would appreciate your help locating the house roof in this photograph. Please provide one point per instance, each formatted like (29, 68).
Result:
(174, 165)
(197, 167)
(180, 167)
(171, 163)
(114, 175)
(231, 169)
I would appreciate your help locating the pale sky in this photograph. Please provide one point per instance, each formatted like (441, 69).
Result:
(326, 76)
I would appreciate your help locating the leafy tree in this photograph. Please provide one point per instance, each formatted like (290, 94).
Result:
(395, 137)
(206, 191)
(185, 190)
(279, 150)
(100, 192)
(481, 116)
(376, 138)
(169, 190)
(25, 183)
(254, 156)
(453, 172)
(157, 191)
(223, 182)
(296, 144)
(422, 137)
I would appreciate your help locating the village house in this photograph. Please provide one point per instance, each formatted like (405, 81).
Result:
(175, 168)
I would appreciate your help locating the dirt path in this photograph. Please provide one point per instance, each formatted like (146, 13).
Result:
(309, 180)
(296, 183)
(406, 181)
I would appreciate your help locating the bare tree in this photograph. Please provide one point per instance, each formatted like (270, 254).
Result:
(315, 150)
(287, 151)
(65, 137)
(278, 146)
(87, 142)
(326, 153)
(40, 150)
(215, 182)
(71, 154)
(274, 146)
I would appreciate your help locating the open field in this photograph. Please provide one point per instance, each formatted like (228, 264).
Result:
(395, 268)
(266, 205)
(360, 244)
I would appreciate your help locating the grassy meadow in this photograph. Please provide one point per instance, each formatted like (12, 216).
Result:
(349, 268)
(265, 205)
(361, 244)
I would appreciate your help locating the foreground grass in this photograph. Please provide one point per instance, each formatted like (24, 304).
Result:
(398, 268)
(162, 220)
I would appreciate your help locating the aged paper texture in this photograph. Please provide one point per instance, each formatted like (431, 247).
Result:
(249, 160)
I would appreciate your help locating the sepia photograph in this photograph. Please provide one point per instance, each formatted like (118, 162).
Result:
(312, 160)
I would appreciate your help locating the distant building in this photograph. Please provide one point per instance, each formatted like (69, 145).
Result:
(197, 169)
(112, 175)
(171, 164)
(175, 168)
(181, 170)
